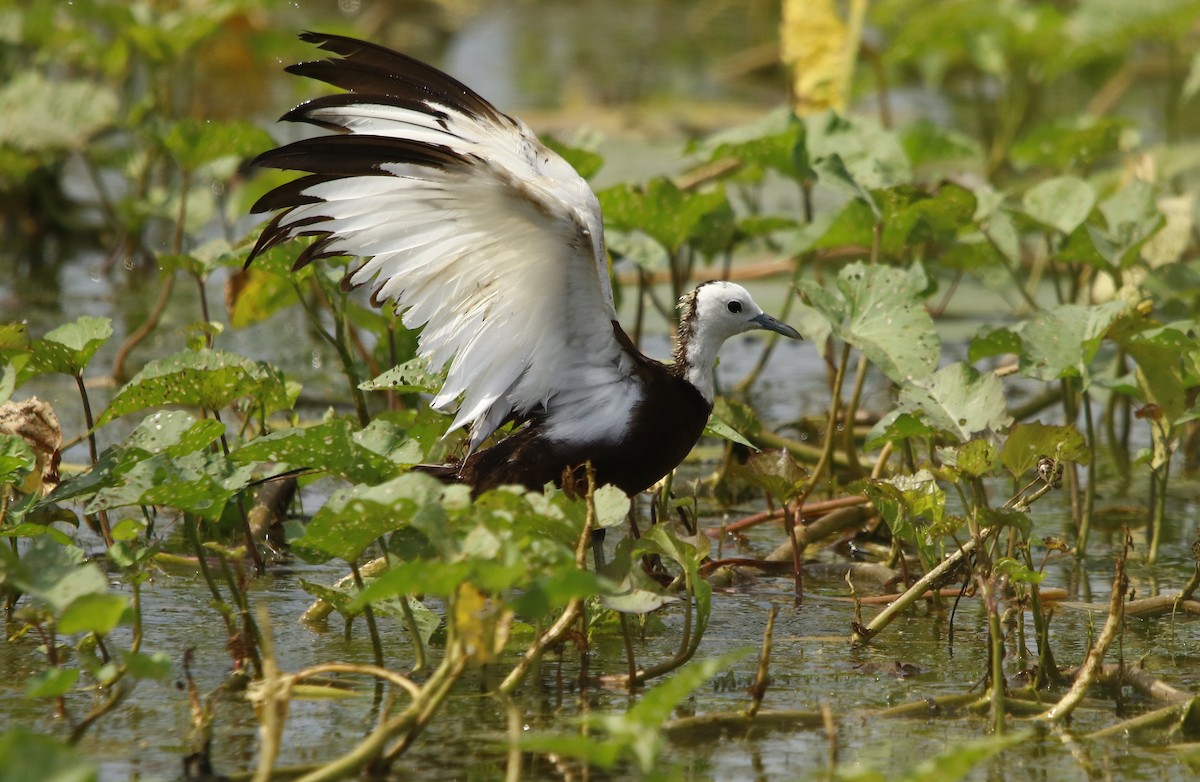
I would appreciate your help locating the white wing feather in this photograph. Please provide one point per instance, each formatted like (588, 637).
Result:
(500, 257)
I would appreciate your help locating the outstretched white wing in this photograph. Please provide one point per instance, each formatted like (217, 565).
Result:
(472, 227)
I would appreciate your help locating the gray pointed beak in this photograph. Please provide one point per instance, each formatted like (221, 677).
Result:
(765, 321)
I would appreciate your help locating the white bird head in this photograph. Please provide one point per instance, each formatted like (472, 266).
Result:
(711, 314)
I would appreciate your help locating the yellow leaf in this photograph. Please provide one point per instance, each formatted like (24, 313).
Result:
(481, 624)
(821, 48)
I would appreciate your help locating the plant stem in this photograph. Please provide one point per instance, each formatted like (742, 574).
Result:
(90, 423)
(372, 628)
(1089, 491)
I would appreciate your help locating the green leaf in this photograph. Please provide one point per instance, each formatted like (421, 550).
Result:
(719, 428)
(1017, 571)
(642, 249)
(199, 482)
(429, 577)
(70, 347)
(670, 216)
(51, 573)
(146, 666)
(954, 763)
(776, 473)
(774, 141)
(912, 505)
(896, 426)
(17, 460)
(93, 613)
(930, 145)
(1029, 441)
(978, 458)
(1062, 203)
(353, 518)
(26, 756)
(958, 401)
(207, 379)
(868, 153)
(175, 432)
(1062, 341)
(195, 142)
(413, 376)
(50, 683)
(1067, 145)
(989, 342)
(880, 310)
(329, 446)
(40, 114)
(586, 162)
(612, 507)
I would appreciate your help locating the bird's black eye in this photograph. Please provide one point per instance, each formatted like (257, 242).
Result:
(734, 306)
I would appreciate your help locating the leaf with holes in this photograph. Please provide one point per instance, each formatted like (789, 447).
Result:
(880, 310)
(330, 446)
(207, 379)
(353, 518)
(70, 347)
(1061, 342)
(1029, 441)
(958, 401)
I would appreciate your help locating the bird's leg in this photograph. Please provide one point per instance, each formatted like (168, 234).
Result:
(598, 548)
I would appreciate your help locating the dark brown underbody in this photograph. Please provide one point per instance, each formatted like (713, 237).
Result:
(663, 429)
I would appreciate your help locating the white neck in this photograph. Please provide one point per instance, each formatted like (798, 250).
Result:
(699, 357)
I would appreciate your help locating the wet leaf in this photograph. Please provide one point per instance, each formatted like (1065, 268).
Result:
(880, 310)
